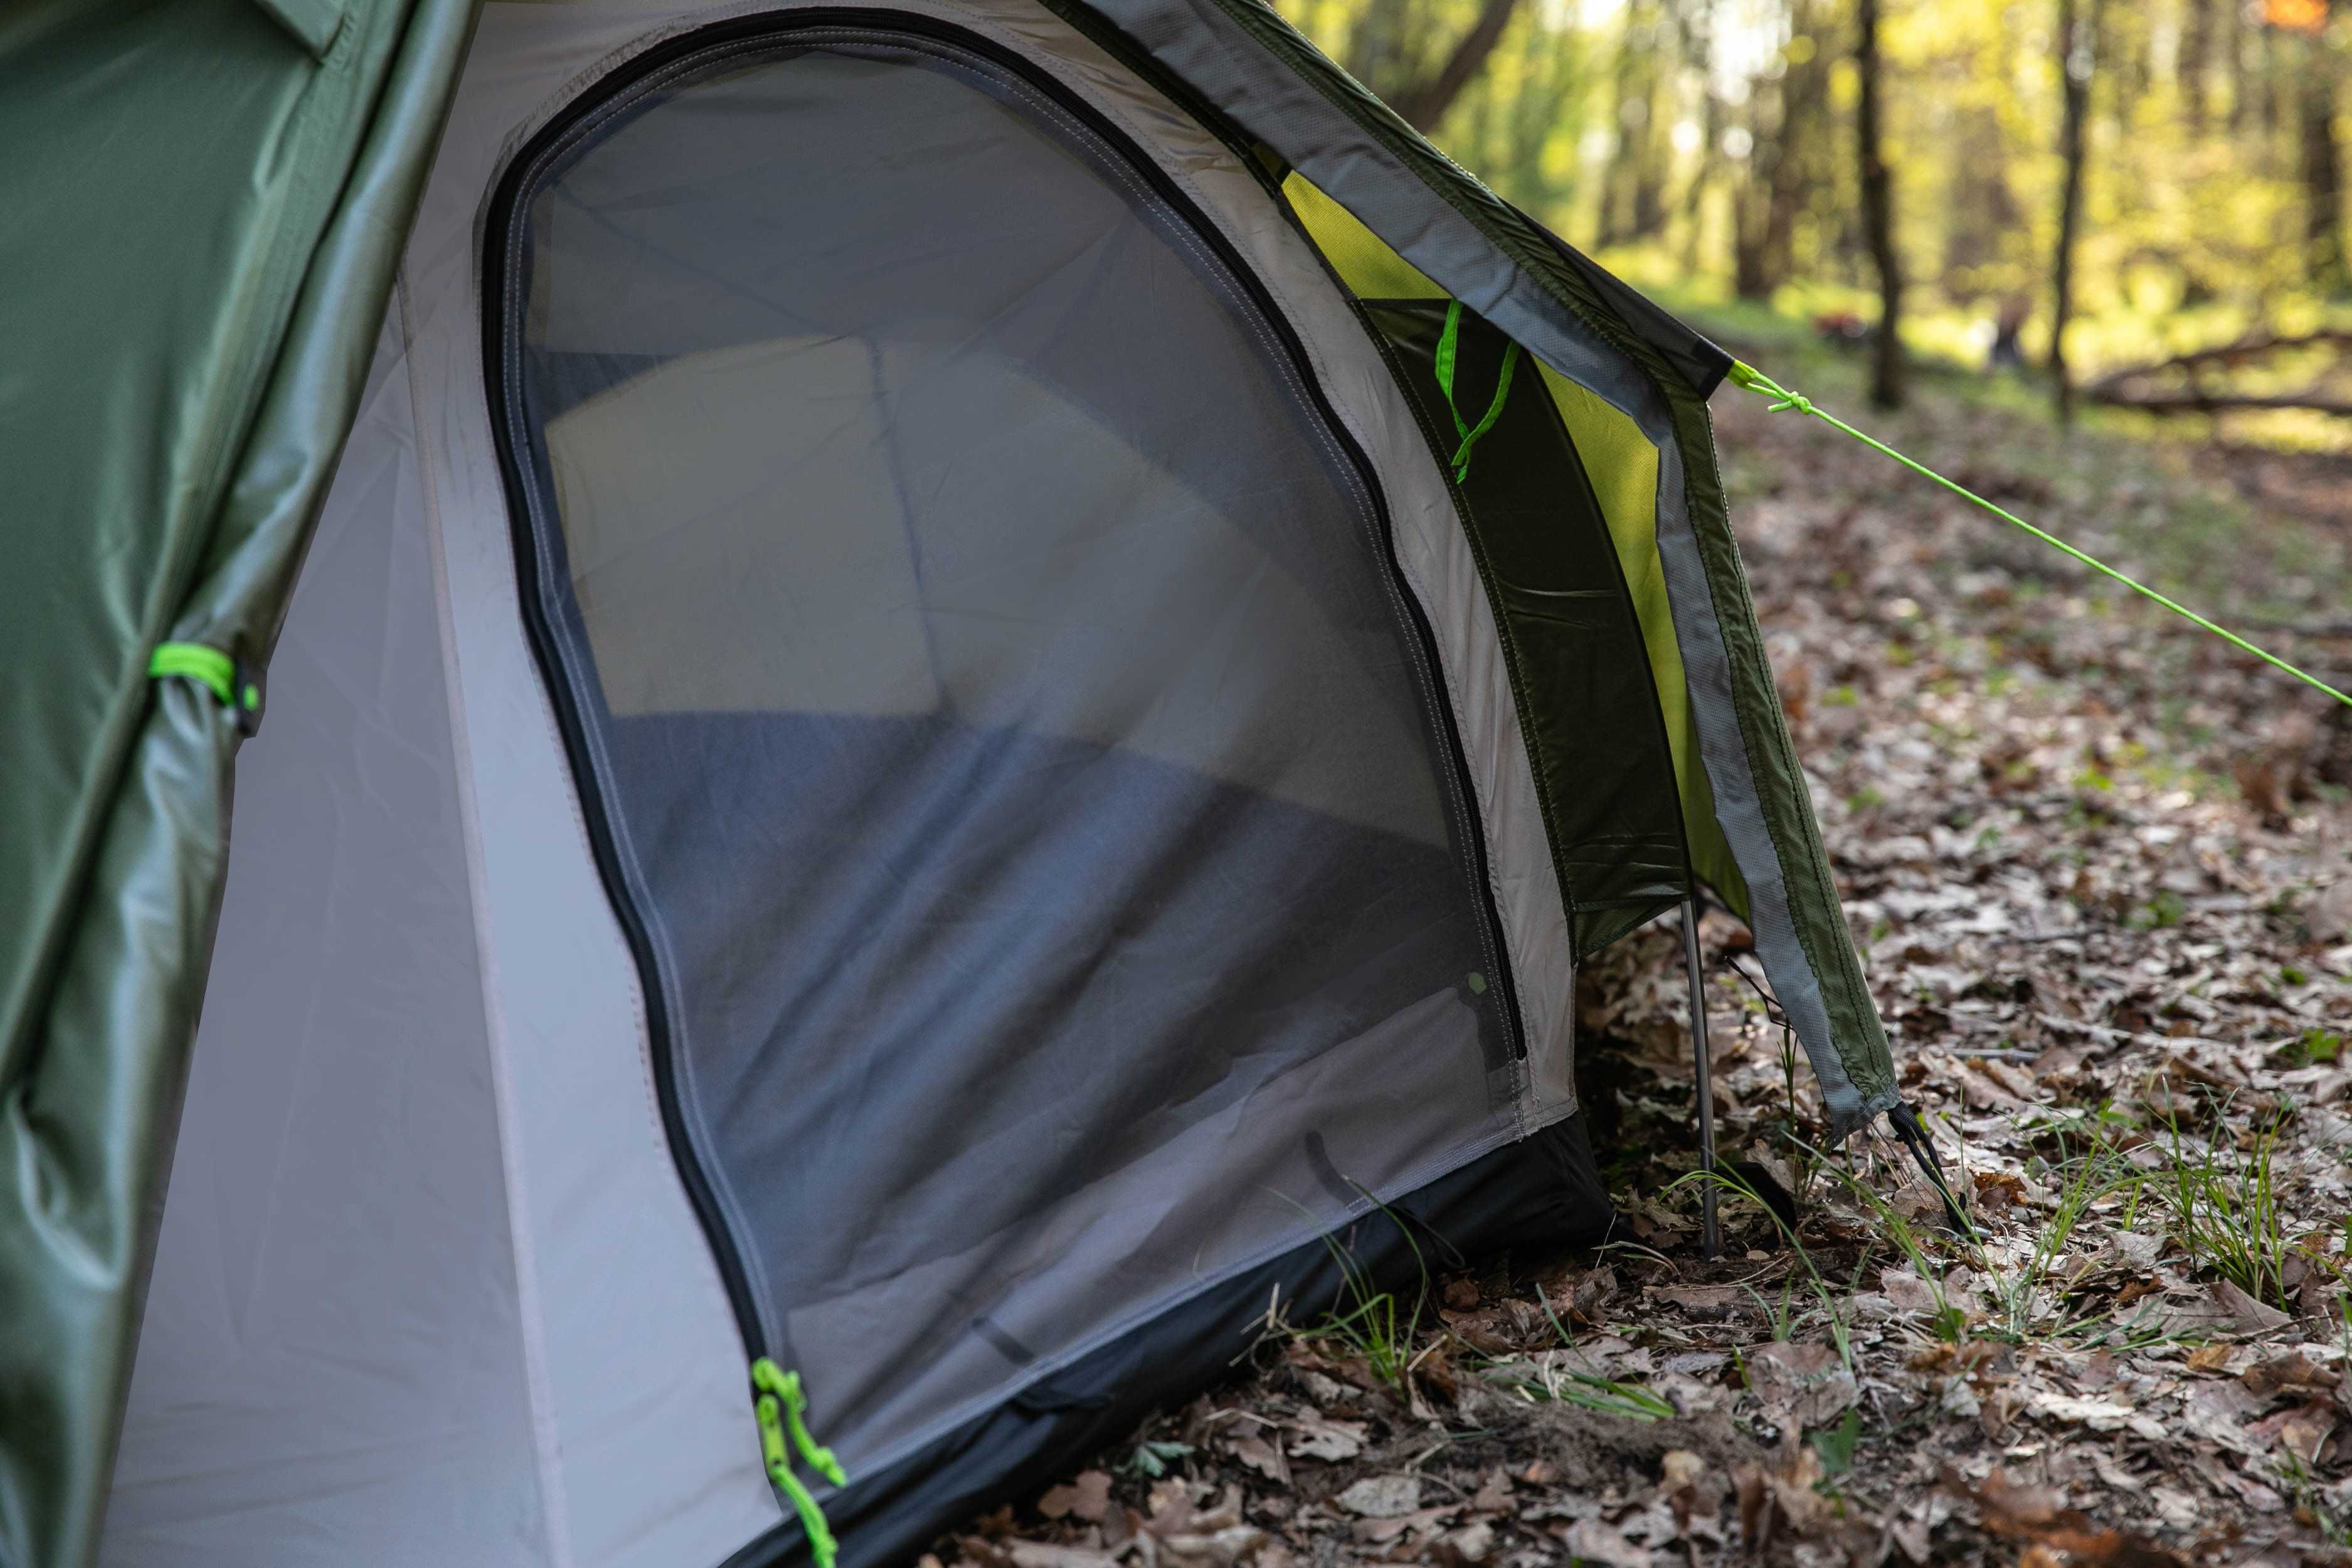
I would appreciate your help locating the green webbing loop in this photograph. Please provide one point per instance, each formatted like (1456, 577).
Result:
(1448, 346)
(780, 1404)
(1756, 380)
(213, 668)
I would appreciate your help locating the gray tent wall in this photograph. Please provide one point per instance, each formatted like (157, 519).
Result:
(431, 1288)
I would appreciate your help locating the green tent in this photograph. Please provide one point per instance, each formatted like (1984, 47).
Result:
(926, 685)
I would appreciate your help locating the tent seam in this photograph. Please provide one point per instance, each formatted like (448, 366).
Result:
(546, 1430)
(741, 1236)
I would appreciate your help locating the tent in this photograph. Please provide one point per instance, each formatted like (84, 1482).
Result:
(922, 698)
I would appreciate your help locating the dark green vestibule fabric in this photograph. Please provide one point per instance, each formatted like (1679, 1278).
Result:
(1603, 771)
(201, 208)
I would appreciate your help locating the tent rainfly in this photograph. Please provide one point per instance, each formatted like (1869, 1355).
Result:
(943, 680)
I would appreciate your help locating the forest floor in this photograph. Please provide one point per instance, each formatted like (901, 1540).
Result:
(2099, 866)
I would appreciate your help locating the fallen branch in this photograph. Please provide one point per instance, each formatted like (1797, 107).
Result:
(2228, 356)
(2212, 402)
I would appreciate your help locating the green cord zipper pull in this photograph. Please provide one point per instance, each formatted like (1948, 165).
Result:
(779, 1404)
(1449, 346)
(237, 690)
(1756, 380)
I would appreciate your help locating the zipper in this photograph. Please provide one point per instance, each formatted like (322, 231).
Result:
(747, 36)
(512, 435)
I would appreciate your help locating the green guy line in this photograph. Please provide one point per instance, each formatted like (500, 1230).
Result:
(1756, 380)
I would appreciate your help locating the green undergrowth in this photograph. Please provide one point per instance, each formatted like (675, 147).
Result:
(1368, 1322)
(2209, 1201)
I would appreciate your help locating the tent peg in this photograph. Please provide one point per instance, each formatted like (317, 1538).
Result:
(1711, 1234)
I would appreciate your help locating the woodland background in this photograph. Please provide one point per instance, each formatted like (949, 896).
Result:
(2134, 180)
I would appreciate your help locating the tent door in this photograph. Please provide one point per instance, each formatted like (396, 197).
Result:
(644, 379)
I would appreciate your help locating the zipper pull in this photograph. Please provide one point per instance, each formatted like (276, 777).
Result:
(777, 1402)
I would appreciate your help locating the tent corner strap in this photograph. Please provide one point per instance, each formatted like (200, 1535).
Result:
(235, 684)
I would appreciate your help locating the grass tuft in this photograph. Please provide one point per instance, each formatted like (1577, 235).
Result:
(2222, 1205)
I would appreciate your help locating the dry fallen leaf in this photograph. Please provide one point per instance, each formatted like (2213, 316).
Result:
(1381, 1497)
(1591, 1541)
(1472, 1543)
(1328, 1440)
(1263, 1458)
(2290, 1372)
(2253, 1317)
(1088, 1498)
(1043, 1554)
(2211, 1358)
(1800, 1384)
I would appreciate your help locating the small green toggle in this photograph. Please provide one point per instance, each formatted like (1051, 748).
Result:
(1449, 345)
(1756, 380)
(780, 1404)
(209, 666)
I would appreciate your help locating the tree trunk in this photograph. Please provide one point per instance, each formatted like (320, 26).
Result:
(1695, 20)
(1702, 176)
(2077, 52)
(1878, 213)
(2273, 116)
(2195, 59)
(1423, 104)
(1544, 101)
(2233, 50)
(1616, 197)
(2322, 170)
(1646, 159)
(1801, 143)
(1750, 279)
(1375, 43)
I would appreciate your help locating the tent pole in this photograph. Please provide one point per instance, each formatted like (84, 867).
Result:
(1710, 1235)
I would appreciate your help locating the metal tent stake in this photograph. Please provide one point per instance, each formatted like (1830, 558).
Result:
(1710, 1236)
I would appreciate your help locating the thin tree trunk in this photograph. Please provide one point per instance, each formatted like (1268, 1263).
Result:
(2196, 58)
(1695, 20)
(1616, 196)
(1751, 196)
(1374, 42)
(2322, 170)
(1796, 170)
(2266, 42)
(2077, 52)
(1647, 163)
(1423, 104)
(2233, 46)
(1694, 194)
(1878, 213)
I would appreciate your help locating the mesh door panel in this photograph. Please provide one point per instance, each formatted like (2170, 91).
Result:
(1002, 714)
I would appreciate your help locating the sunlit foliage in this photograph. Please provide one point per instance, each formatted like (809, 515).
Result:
(1707, 145)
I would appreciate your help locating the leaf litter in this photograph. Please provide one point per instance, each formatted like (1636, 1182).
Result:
(2100, 872)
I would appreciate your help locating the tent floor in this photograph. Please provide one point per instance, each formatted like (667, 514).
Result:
(1542, 1192)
